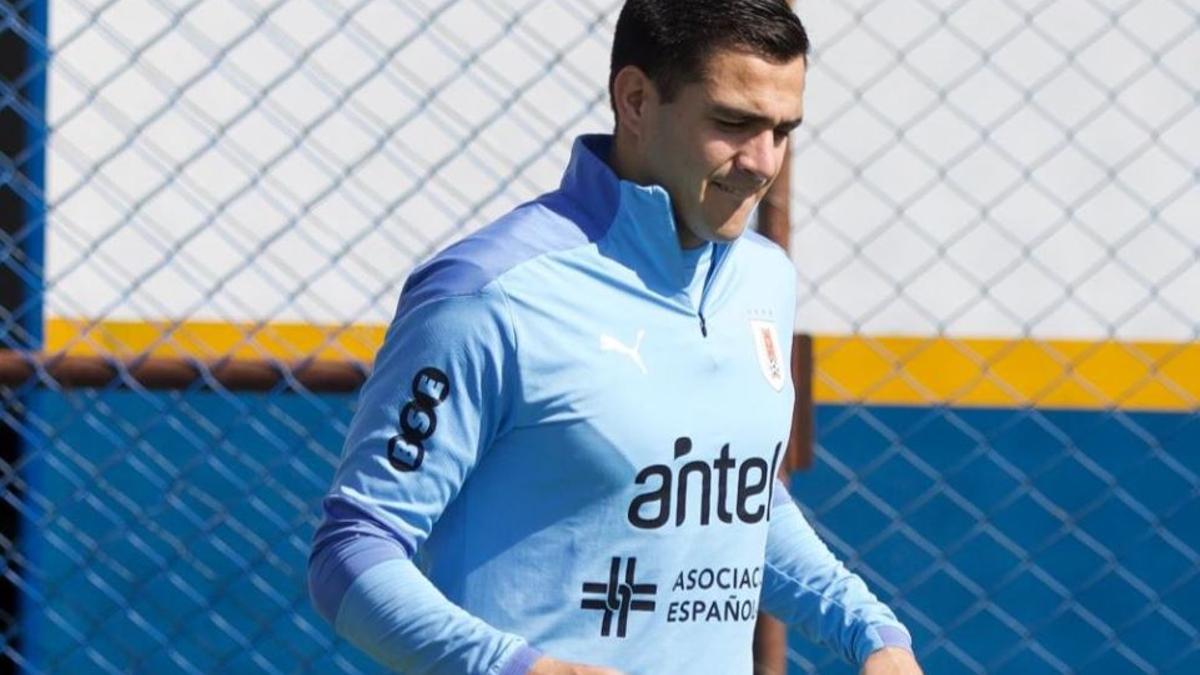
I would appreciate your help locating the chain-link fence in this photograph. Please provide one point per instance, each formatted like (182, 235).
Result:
(996, 224)
(1025, 171)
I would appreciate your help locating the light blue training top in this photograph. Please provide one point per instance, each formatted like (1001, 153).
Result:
(563, 451)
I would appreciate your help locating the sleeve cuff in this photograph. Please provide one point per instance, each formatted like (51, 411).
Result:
(879, 637)
(520, 661)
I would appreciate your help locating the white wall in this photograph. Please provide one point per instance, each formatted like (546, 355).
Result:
(237, 159)
(1011, 168)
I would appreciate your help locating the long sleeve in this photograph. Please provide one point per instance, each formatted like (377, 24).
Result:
(805, 586)
(440, 392)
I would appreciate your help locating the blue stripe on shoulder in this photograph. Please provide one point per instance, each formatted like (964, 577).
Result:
(554, 222)
(579, 212)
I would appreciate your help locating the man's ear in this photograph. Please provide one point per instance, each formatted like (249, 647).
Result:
(632, 92)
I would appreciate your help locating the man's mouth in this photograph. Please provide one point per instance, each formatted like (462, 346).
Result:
(740, 193)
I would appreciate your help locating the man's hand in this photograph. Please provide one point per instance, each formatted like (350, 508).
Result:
(891, 661)
(549, 666)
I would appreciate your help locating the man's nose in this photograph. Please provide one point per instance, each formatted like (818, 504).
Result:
(760, 156)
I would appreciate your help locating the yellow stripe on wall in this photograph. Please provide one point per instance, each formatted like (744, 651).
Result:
(1007, 373)
(285, 341)
(849, 369)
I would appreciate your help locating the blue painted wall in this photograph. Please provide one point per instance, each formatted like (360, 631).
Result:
(172, 531)
(1019, 541)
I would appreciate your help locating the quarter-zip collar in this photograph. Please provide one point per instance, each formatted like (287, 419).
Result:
(641, 230)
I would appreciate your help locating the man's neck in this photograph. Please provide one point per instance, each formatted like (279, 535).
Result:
(623, 160)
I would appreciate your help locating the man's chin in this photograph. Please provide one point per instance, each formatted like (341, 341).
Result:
(731, 229)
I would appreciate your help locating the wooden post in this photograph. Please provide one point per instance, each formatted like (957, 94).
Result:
(774, 222)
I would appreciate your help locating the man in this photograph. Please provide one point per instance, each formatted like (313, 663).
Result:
(566, 452)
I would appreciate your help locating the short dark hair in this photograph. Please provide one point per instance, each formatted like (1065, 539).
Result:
(670, 40)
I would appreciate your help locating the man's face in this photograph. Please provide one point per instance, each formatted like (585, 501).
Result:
(718, 145)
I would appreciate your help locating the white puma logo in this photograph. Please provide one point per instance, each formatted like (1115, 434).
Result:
(609, 343)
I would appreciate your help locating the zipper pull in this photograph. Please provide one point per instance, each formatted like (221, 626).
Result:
(703, 326)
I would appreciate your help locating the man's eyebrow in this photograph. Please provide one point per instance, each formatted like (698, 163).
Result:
(751, 117)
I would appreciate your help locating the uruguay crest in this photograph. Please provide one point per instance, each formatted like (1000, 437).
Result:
(766, 345)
